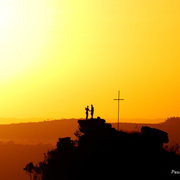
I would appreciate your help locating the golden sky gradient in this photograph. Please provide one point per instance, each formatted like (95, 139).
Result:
(58, 56)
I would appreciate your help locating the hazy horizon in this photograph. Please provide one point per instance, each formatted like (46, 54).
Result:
(13, 120)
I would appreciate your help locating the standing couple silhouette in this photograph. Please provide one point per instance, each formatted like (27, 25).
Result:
(87, 111)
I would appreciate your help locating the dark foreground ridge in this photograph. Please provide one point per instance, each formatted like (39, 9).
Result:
(102, 152)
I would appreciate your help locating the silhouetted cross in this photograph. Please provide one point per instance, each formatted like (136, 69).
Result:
(118, 107)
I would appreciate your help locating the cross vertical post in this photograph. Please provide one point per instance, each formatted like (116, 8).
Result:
(118, 108)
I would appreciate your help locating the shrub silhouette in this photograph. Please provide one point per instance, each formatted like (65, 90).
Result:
(103, 152)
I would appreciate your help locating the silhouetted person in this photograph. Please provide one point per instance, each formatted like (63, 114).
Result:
(87, 112)
(92, 111)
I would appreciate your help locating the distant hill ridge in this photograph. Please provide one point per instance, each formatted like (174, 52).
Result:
(171, 126)
(50, 131)
(38, 132)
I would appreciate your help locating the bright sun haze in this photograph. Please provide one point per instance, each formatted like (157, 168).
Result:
(56, 57)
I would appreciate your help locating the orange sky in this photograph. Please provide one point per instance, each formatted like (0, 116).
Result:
(56, 57)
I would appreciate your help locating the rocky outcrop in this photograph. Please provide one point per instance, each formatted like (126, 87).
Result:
(155, 136)
(105, 153)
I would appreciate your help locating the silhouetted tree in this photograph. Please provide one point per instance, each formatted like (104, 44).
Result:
(37, 173)
(29, 169)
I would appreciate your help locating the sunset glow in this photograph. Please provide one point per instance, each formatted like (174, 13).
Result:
(23, 33)
(56, 57)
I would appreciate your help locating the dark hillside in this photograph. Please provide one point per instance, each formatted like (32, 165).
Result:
(103, 152)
